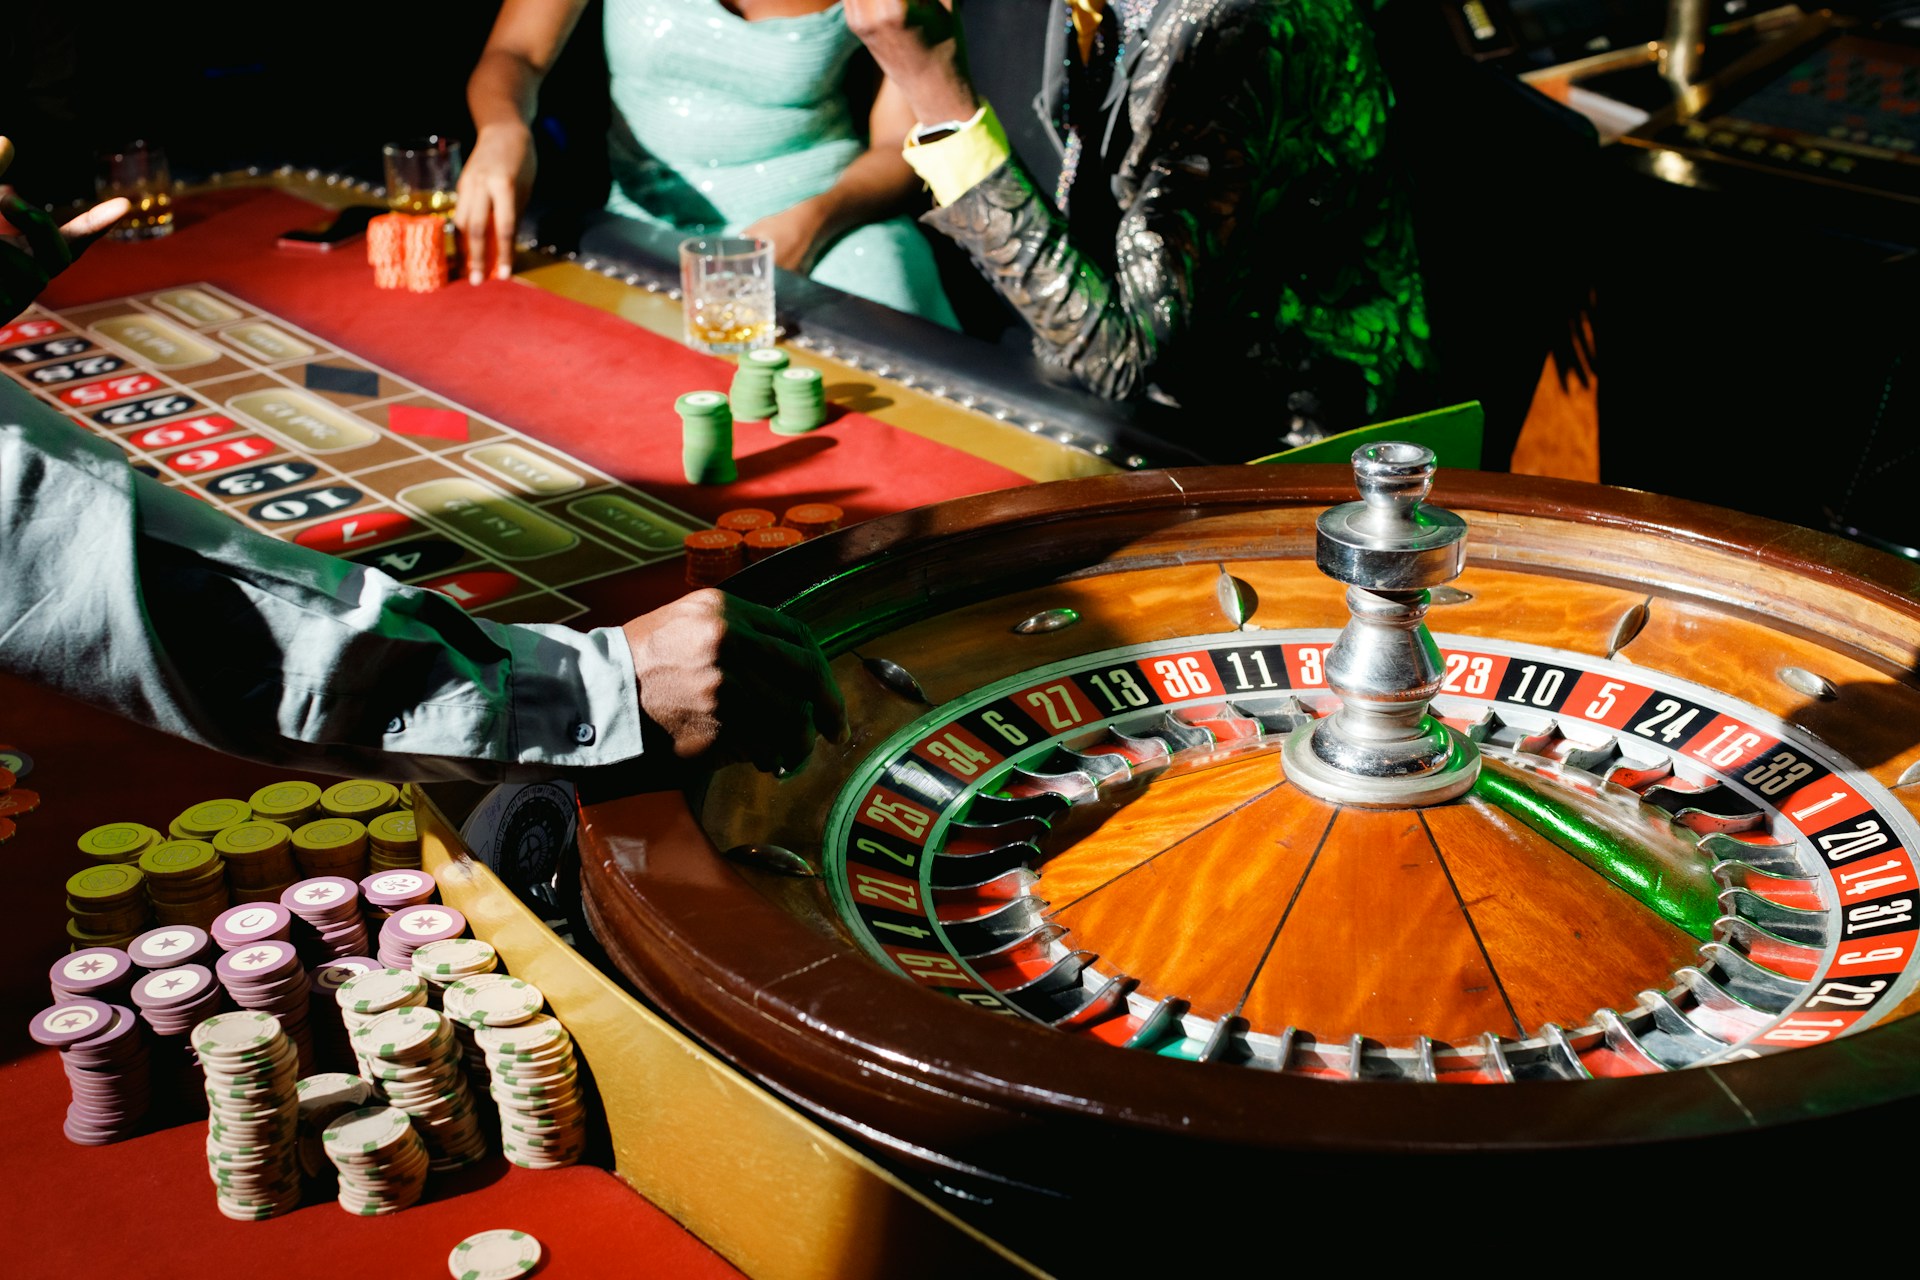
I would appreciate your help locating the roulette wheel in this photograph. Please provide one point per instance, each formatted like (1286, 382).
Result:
(1205, 827)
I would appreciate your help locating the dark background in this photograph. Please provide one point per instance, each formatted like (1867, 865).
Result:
(1756, 349)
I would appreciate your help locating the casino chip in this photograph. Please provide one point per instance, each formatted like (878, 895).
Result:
(706, 438)
(801, 395)
(500, 1254)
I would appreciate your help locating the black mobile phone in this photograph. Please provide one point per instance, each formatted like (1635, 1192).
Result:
(348, 223)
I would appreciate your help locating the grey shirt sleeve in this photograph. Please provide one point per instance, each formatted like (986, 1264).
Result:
(138, 598)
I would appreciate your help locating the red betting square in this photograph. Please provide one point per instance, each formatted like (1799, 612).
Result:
(418, 420)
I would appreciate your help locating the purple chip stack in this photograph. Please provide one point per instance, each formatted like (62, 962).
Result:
(328, 923)
(97, 973)
(388, 892)
(416, 927)
(268, 977)
(329, 1032)
(252, 922)
(105, 1059)
(170, 945)
(173, 1001)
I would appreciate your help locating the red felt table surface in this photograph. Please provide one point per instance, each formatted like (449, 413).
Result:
(580, 379)
(583, 380)
(145, 1208)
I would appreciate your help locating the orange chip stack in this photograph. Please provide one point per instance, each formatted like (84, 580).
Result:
(386, 250)
(746, 520)
(426, 246)
(408, 251)
(761, 543)
(712, 554)
(812, 519)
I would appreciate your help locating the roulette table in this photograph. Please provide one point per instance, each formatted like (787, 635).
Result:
(1061, 927)
(1055, 928)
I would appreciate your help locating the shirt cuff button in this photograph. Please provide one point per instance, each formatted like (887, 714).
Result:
(583, 734)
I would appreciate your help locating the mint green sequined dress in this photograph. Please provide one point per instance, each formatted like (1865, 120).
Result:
(719, 122)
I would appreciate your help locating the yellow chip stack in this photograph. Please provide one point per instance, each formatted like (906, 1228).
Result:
(331, 847)
(259, 857)
(362, 799)
(187, 881)
(118, 842)
(107, 905)
(208, 819)
(292, 804)
(394, 841)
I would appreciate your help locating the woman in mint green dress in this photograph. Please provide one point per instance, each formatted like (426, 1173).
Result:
(725, 118)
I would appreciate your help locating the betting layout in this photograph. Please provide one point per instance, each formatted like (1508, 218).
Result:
(294, 437)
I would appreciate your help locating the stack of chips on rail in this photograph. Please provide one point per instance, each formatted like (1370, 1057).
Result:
(386, 892)
(405, 932)
(259, 858)
(105, 974)
(187, 880)
(327, 922)
(413, 1058)
(379, 1158)
(408, 251)
(105, 1058)
(534, 1077)
(268, 977)
(366, 996)
(811, 519)
(253, 1113)
(713, 555)
(762, 543)
(706, 438)
(393, 842)
(323, 1099)
(442, 964)
(752, 392)
(106, 905)
(801, 395)
(173, 944)
(331, 847)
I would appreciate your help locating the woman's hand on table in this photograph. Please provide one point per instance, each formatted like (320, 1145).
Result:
(493, 190)
(33, 249)
(728, 680)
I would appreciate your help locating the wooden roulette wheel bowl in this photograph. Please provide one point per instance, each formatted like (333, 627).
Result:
(1182, 967)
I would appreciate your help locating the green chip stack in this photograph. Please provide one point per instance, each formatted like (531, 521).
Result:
(752, 393)
(706, 437)
(802, 398)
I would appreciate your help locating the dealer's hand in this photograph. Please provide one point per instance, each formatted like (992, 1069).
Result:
(493, 189)
(917, 45)
(32, 249)
(728, 680)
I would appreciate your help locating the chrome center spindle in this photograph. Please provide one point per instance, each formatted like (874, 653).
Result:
(1381, 750)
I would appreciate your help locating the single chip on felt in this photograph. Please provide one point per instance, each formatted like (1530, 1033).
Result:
(421, 420)
(6, 829)
(353, 382)
(18, 800)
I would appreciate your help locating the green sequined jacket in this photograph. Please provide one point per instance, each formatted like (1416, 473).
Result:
(1266, 269)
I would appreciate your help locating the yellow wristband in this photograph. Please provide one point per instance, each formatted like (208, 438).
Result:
(958, 162)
